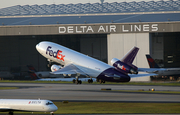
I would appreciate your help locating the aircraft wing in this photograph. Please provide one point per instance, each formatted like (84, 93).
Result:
(151, 70)
(69, 69)
(141, 75)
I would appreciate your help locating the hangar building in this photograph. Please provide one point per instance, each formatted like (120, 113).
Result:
(101, 30)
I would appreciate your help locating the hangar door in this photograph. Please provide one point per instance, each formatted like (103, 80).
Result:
(165, 49)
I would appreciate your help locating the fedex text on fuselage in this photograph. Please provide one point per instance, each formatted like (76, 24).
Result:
(56, 54)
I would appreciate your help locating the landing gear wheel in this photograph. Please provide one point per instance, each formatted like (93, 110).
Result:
(74, 81)
(78, 82)
(101, 81)
(11, 113)
(90, 81)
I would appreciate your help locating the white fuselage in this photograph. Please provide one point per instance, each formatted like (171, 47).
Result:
(162, 71)
(27, 105)
(167, 71)
(67, 56)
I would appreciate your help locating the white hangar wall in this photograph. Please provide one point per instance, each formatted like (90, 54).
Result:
(119, 44)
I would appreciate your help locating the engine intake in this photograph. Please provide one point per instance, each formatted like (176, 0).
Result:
(55, 67)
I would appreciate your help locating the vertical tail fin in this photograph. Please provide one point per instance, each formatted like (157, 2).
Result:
(151, 62)
(32, 73)
(31, 68)
(129, 57)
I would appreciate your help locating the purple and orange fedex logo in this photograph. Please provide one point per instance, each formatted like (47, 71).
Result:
(56, 54)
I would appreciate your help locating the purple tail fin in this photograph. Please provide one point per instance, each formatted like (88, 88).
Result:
(151, 62)
(129, 57)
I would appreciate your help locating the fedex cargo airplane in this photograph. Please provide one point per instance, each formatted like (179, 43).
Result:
(77, 63)
(154, 68)
(11, 105)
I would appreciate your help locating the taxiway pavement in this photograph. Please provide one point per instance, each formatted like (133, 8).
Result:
(88, 92)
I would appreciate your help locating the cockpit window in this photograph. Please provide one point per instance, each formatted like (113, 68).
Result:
(49, 103)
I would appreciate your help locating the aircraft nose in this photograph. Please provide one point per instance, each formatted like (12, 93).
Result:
(54, 108)
(38, 48)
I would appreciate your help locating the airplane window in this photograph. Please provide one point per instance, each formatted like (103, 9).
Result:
(49, 103)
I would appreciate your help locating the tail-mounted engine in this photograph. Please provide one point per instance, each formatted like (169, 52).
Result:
(128, 68)
(55, 67)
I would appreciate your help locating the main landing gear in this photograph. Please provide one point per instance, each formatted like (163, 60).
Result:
(11, 113)
(90, 80)
(77, 81)
(100, 81)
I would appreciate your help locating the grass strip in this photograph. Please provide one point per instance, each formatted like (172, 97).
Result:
(5, 88)
(110, 107)
(128, 83)
(141, 91)
(114, 108)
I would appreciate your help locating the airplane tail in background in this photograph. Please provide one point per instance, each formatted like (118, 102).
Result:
(32, 73)
(151, 62)
(31, 68)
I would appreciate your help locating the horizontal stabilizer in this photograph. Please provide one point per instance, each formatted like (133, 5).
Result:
(151, 70)
(141, 75)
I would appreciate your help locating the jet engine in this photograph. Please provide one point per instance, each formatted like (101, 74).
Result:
(55, 67)
(128, 68)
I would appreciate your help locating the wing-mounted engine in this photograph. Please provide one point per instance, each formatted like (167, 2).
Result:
(128, 68)
(55, 67)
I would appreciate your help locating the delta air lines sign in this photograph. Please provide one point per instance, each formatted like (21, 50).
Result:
(109, 28)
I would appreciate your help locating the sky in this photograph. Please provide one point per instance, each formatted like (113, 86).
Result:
(9, 3)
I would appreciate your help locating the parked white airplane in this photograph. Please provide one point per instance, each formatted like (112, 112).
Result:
(77, 63)
(154, 68)
(6, 74)
(11, 105)
(45, 74)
